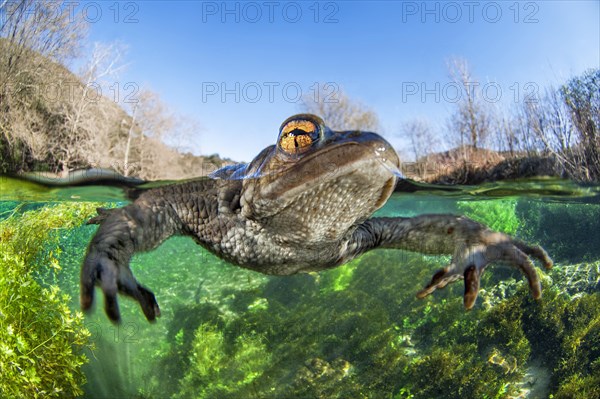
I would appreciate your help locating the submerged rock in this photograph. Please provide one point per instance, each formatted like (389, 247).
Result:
(577, 279)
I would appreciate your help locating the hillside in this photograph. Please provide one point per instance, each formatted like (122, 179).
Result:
(51, 121)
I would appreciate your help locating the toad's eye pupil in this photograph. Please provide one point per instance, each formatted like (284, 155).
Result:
(297, 136)
(301, 125)
(297, 132)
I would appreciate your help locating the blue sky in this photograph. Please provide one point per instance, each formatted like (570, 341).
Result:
(389, 55)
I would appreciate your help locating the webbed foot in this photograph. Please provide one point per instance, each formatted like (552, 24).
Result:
(114, 279)
(107, 265)
(482, 247)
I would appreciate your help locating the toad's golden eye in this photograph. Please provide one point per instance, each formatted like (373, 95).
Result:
(297, 136)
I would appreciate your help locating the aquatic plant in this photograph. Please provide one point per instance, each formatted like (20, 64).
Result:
(174, 358)
(499, 215)
(218, 370)
(40, 338)
(565, 230)
(458, 354)
(336, 344)
(337, 279)
(578, 278)
(565, 332)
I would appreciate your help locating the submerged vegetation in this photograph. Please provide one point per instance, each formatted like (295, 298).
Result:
(499, 215)
(355, 331)
(220, 369)
(40, 337)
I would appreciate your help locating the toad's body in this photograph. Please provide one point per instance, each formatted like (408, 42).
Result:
(301, 205)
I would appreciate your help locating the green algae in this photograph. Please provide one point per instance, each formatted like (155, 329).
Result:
(219, 370)
(41, 338)
(498, 215)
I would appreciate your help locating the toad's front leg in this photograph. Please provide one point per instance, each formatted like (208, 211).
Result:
(472, 245)
(137, 227)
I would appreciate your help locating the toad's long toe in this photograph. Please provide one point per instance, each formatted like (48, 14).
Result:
(440, 279)
(470, 261)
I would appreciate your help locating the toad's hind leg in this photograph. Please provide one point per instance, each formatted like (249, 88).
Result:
(472, 245)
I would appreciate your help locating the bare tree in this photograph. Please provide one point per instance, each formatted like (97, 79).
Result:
(86, 113)
(423, 143)
(48, 27)
(505, 135)
(511, 133)
(63, 121)
(32, 31)
(130, 135)
(41, 26)
(340, 112)
(471, 121)
(517, 134)
(581, 96)
(548, 121)
(154, 122)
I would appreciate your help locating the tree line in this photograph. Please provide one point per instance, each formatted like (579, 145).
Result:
(560, 124)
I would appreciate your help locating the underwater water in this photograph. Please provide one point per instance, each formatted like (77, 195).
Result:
(356, 331)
